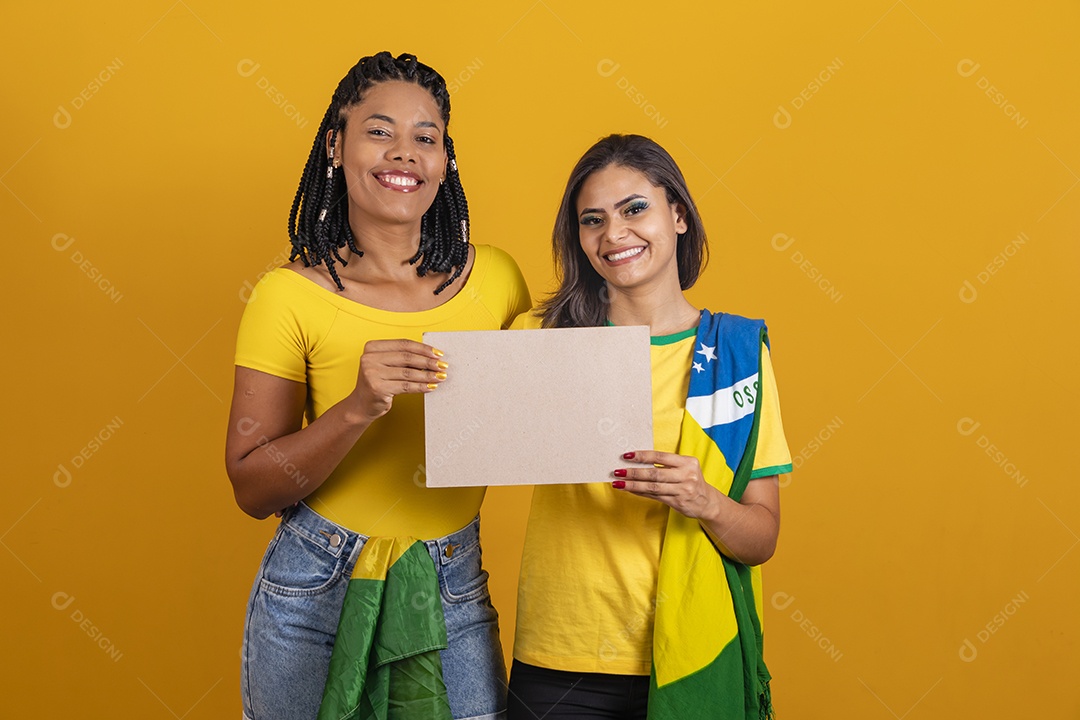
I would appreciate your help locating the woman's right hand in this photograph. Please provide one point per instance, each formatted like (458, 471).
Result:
(393, 367)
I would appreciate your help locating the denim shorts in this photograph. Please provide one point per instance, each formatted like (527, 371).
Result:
(292, 618)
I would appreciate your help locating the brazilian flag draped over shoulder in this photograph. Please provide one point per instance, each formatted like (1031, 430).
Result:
(385, 664)
(707, 643)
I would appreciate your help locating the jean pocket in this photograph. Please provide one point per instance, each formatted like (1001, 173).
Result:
(463, 578)
(295, 566)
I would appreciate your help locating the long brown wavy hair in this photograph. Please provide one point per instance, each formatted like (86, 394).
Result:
(581, 299)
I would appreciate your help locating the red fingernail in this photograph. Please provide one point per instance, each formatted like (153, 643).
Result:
(619, 473)
(618, 484)
(628, 456)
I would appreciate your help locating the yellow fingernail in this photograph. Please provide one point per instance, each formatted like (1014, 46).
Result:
(432, 386)
(440, 376)
(438, 353)
(441, 365)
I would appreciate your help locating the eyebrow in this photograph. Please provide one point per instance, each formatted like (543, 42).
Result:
(618, 205)
(388, 119)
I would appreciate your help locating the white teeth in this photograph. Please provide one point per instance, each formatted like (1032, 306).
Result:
(624, 254)
(399, 180)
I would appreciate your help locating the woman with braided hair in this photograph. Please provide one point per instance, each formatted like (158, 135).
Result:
(326, 417)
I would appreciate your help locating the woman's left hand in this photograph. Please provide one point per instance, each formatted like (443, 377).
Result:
(745, 531)
(678, 481)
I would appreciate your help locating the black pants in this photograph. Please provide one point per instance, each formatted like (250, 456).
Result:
(537, 692)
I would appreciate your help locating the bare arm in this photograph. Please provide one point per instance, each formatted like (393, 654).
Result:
(273, 463)
(745, 531)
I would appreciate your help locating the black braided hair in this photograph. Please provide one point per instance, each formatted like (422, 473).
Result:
(319, 219)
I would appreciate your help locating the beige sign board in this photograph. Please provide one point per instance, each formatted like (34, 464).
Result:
(537, 407)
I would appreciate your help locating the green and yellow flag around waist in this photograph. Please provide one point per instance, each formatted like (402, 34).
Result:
(707, 642)
(385, 664)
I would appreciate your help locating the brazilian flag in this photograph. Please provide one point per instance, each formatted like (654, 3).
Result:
(707, 641)
(385, 664)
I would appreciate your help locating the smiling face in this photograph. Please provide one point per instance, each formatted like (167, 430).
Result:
(628, 229)
(393, 153)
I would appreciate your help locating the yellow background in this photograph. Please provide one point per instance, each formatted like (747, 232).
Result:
(898, 181)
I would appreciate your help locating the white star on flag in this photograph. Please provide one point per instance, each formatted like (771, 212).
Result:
(697, 366)
(707, 351)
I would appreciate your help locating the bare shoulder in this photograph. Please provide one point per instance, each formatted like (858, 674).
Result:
(315, 273)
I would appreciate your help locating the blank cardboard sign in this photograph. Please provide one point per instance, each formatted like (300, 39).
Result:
(536, 407)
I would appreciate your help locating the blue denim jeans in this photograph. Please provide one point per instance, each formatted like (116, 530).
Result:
(292, 618)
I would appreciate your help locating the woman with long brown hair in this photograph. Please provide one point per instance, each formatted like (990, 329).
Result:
(642, 596)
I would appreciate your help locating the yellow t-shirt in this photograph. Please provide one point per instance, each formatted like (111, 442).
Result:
(592, 553)
(296, 329)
